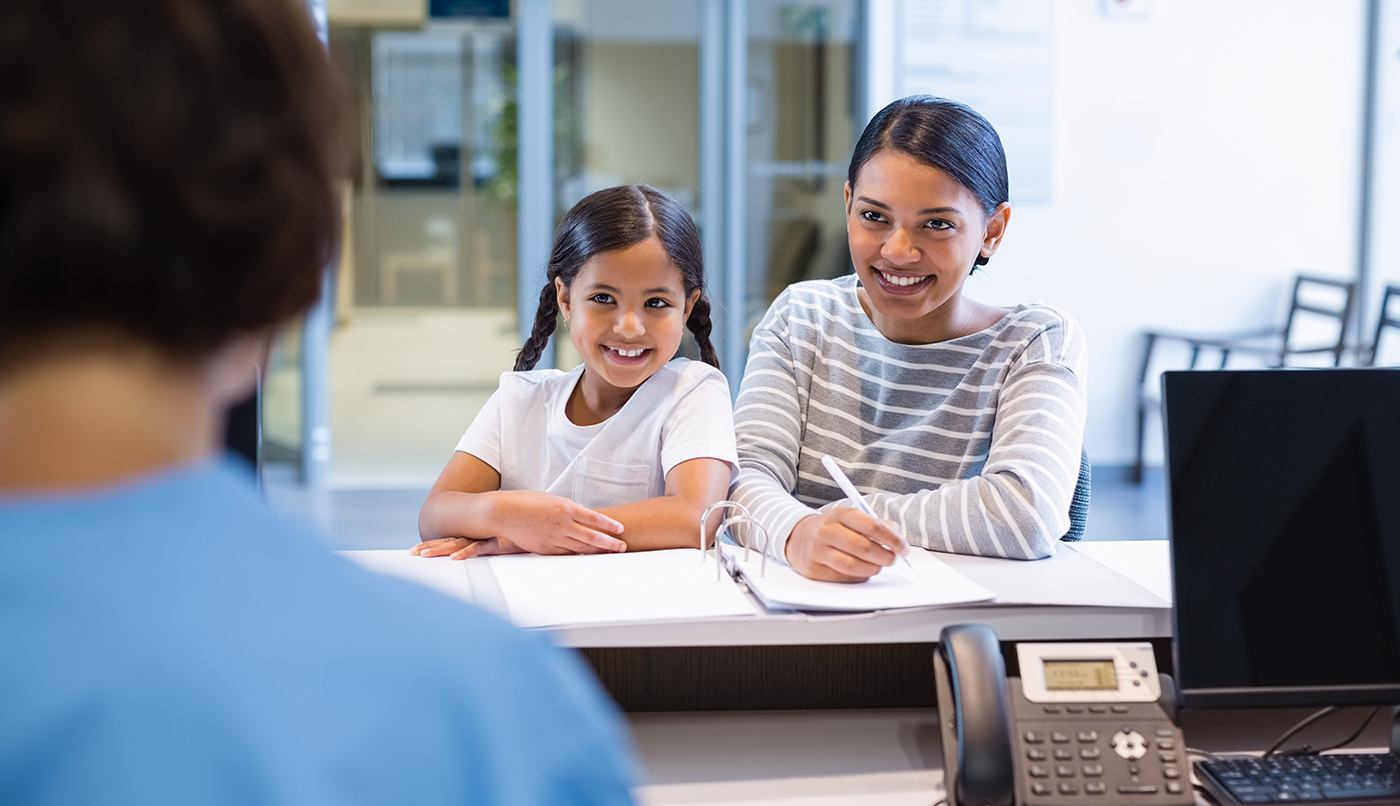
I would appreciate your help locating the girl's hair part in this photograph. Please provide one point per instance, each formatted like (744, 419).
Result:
(946, 135)
(615, 218)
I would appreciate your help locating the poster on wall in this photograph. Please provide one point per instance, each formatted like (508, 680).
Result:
(996, 56)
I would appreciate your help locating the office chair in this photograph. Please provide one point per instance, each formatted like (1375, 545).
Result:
(1274, 347)
(1079, 504)
(1386, 321)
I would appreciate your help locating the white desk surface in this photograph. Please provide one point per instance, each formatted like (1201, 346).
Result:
(1118, 585)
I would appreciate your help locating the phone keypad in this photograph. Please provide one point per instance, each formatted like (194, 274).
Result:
(1111, 754)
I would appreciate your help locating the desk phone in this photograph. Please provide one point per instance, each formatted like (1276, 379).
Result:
(1083, 724)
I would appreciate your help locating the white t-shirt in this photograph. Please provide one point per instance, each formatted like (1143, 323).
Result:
(682, 412)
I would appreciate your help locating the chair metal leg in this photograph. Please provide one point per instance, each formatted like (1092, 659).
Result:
(1139, 463)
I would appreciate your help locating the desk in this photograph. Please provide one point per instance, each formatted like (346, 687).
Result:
(868, 758)
(859, 660)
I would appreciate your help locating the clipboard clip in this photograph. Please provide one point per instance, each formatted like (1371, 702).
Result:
(743, 516)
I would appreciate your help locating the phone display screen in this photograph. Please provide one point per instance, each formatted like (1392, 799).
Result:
(1080, 675)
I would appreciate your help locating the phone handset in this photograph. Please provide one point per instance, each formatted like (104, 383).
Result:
(978, 767)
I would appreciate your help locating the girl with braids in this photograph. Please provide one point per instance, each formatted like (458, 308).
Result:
(624, 452)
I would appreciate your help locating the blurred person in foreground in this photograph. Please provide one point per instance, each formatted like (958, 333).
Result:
(167, 199)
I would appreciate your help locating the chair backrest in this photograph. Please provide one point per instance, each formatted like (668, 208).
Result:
(1388, 320)
(1079, 504)
(1320, 298)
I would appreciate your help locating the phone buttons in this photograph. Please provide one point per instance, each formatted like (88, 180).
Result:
(1035, 755)
(1059, 738)
(1088, 753)
(1063, 754)
(1087, 736)
(1095, 788)
(1033, 737)
(1093, 770)
(1174, 787)
(1067, 788)
(1129, 744)
(1037, 788)
(1137, 789)
(1170, 772)
(1065, 771)
(1038, 771)
(1119, 709)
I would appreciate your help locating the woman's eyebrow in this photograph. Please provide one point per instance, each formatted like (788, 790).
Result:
(924, 211)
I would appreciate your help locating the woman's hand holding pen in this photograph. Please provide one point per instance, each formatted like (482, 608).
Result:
(535, 522)
(842, 544)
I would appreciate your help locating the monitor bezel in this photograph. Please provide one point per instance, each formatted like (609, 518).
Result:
(1256, 696)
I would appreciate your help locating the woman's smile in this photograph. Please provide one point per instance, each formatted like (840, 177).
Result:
(900, 283)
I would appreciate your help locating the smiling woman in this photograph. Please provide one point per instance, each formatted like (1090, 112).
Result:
(961, 422)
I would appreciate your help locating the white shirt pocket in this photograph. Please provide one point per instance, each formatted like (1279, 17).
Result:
(599, 484)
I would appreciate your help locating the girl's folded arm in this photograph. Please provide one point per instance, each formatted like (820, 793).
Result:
(459, 505)
(672, 520)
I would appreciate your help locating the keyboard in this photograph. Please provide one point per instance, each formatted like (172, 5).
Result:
(1338, 780)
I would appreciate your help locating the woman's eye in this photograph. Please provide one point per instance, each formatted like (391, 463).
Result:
(657, 302)
(939, 224)
(602, 299)
(871, 215)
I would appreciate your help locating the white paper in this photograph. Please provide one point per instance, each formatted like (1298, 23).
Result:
(439, 573)
(926, 582)
(644, 586)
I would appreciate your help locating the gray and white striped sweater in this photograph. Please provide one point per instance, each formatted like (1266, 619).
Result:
(969, 445)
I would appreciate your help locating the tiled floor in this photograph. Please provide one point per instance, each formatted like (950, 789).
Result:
(388, 518)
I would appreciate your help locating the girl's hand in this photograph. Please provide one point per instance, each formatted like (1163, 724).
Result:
(541, 523)
(461, 548)
(842, 545)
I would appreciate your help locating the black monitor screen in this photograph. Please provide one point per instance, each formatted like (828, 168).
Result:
(1285, 525)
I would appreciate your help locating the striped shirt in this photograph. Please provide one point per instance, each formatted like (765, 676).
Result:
(970, 445)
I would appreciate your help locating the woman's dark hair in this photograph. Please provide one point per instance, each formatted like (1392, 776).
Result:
(944, 134)
(168, 169)
(615, 218)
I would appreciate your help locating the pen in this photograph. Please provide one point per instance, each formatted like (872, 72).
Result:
(853, 495)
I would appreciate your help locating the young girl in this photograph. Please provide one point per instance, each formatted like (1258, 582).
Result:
(624, 452)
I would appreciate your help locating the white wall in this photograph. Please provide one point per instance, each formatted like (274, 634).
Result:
(1385, 178)
(1203, 155)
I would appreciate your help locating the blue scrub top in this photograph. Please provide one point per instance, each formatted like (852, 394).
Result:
(171, 641)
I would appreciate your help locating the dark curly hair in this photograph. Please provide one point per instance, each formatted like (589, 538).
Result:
(615, 218)
(168, 169)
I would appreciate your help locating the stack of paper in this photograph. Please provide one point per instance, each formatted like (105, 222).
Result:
(664, 585)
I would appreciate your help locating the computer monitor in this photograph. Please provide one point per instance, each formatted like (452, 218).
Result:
(1284, 515)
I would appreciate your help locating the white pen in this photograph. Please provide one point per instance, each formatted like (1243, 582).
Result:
(853, 496)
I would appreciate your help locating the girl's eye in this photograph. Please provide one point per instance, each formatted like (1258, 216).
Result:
(602, 299)
(939, 224)
(871, 215)
(658, 302)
